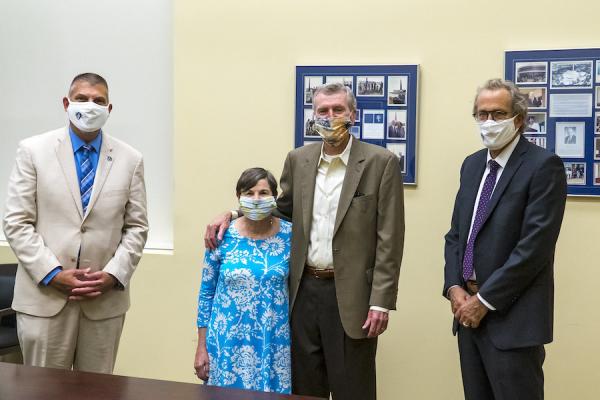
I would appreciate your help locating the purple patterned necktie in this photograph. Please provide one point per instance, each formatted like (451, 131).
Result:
(484, 199)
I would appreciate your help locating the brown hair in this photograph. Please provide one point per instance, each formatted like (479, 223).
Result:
(250, 178)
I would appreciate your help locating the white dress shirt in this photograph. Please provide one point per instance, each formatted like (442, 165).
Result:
(328, 188)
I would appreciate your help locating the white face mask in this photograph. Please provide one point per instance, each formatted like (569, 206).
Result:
(87, 116)
(496, 135)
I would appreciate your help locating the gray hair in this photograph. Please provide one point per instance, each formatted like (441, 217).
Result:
(518, 99)
(334, 88)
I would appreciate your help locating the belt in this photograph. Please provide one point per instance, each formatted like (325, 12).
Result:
(318, 273)
(472, 287)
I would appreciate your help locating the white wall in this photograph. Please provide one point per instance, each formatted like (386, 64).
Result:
(44, 44)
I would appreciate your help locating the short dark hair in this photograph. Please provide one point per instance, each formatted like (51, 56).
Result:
(250, 178)
(91, 78)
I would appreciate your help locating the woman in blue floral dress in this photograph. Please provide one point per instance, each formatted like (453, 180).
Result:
(243, 324)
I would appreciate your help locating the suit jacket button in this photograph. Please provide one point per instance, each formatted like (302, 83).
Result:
(336, 250)
(73, 259)
(83, 229)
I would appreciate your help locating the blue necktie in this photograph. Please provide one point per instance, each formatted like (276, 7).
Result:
(87, 173)
(484, 199)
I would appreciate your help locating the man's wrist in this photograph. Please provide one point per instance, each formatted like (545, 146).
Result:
(485, 303)
(450, 290)
(117, 284)
(48, 278)
(377, 308)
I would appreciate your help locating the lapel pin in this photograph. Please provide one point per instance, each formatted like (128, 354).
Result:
(109, 158)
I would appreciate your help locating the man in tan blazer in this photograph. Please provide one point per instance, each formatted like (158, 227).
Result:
(345, 199)
(76, 221)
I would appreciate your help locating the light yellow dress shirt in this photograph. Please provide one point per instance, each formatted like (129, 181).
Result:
(328, 187)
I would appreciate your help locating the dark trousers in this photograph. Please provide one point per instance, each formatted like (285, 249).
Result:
(489, 373)
(324, 359)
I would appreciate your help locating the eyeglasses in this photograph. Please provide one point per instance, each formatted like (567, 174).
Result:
(496, 115)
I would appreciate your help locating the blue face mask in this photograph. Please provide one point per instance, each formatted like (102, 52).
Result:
(257, 209)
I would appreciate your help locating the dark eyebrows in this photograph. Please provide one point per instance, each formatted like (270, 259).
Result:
(100, 99)
(83, 97)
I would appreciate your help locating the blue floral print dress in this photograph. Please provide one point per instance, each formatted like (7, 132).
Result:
(243, 303)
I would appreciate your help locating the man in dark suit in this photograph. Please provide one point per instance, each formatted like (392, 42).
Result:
(392, 131)
(345, 199)
(401, 130)
(499, 252)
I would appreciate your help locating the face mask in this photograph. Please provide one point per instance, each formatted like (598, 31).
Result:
(87, 116)
(257, 209)
(496, 135)
(332, 130)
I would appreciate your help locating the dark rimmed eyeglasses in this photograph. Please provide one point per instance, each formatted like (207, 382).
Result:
(496, 115)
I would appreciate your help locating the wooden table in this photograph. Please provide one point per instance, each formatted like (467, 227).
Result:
(19, 382)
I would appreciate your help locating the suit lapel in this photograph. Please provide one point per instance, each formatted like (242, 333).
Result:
(514, 162)
(354, 171)
(105, 161)
(66, 159)
(309, 175)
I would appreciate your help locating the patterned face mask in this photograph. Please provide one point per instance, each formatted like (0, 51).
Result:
(332, 130)
(257, 209)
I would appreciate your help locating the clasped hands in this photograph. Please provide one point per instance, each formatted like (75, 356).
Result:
(81, 284)
(468, 310)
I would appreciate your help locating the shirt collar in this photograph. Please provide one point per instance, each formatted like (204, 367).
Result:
(78, 143)
(344, 156)
(503, 157)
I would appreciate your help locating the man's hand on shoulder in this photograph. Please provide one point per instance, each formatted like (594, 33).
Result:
(216, 229)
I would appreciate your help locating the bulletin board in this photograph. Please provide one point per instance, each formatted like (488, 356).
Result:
(563, 91)
(386, 114)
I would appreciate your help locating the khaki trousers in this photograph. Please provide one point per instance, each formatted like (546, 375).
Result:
(70, 340)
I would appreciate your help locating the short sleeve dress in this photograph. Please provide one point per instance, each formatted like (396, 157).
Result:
(243, 303)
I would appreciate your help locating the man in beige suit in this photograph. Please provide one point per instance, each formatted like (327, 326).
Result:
(76, 221)
(345, 200)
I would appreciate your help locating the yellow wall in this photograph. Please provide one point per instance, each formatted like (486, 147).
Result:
(234, 108)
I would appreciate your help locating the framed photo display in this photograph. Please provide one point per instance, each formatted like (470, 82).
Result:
(563, 92)
(386, 97)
